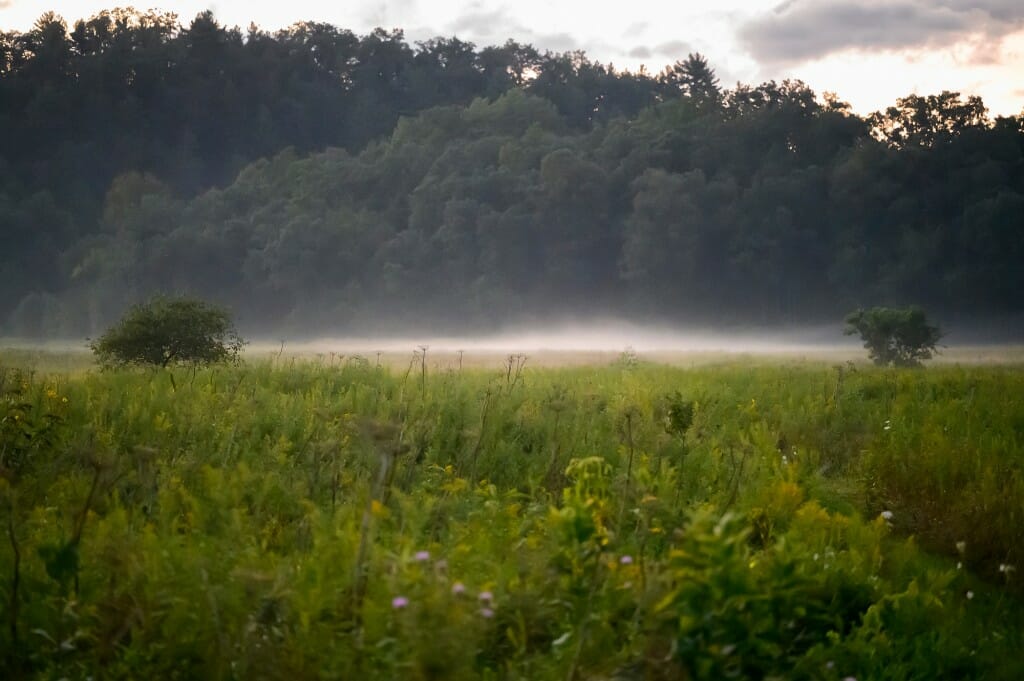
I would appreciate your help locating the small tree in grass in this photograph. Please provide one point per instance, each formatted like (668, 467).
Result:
(894, 336)
(170, 330)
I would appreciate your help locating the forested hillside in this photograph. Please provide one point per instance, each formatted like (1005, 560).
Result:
(316, 179)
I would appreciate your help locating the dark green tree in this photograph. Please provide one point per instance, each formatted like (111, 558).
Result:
(695, 78)
(167, 331)
(925, 121)
(894, 336)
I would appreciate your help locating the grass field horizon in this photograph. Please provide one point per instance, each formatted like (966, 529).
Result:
(313, 516)
(593, 343)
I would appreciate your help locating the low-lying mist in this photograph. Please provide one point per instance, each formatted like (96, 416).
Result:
(598, 341)
(600, 336)
(574, 342)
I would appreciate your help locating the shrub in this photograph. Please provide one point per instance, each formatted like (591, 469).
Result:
(166, 331)
(894, 336)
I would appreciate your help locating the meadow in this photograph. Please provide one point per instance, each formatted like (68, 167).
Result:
(338, 518)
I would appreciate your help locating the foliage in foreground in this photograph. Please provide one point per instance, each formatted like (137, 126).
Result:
(316, 521)
(170, 330)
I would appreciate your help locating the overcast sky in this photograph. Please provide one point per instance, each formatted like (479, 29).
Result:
(868, 51)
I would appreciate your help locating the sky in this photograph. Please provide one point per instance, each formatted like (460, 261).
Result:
(869, 52)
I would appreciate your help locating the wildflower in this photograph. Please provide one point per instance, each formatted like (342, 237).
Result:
(422, 556)
(887, 515)
(1006, 568)
(51, 393)
(458, 588)
(64, 400)
(887, 425)
(970, 595)
(399, 602)
(961, 547)
(441, 564)
(486, 596)
(486, 612)
(626, 560)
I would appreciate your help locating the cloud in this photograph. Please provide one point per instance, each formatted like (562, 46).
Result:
(4, 4)
(635, 29)
(390, 12)
(495, 26)
(800, 30)
(556, 42)
(673, 49)
(484, 22)
(640, 52)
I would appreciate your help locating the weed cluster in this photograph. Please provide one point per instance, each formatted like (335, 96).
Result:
(307, 520)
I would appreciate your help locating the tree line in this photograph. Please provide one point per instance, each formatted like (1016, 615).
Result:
(312, 178)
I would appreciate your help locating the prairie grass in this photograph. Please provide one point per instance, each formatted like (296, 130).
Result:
(334, 518)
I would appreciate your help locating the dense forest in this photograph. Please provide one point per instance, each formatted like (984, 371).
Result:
(315, 179)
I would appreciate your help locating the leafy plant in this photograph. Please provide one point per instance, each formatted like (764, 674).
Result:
(170, 330)
(554, 532)
(894, 336)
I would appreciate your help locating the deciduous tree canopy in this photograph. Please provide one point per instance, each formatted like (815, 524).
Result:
(169, 331)
(317, 178)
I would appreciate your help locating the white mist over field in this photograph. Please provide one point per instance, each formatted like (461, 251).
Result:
(596, 337)
(594, 343)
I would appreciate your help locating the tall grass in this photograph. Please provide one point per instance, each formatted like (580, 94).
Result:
(302, 520)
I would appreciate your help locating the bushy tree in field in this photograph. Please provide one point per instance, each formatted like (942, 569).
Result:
(894, 336)
(170, 330)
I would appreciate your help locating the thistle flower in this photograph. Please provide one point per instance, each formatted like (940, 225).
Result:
(421, 556)
(887, 515)
(399, 602)
(458, 588)
(626, 560)
(486, 613)
(486, 596)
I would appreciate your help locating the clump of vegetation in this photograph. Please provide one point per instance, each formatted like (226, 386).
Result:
(900, 337)
(307, 520)
(657, 183)
(170, 330)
